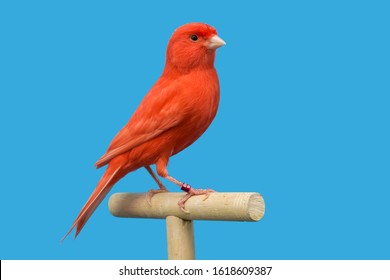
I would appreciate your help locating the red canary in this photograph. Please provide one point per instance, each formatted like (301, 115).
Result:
(176, 111)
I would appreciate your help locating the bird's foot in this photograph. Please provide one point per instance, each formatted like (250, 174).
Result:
(151, 193)
(192, 192)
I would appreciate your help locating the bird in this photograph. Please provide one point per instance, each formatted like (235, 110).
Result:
(175, 112)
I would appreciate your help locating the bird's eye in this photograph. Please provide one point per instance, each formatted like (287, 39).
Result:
(194, 38)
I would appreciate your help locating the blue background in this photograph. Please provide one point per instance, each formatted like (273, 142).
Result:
(303, 119)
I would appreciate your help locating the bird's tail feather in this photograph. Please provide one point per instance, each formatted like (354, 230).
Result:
(102, 189)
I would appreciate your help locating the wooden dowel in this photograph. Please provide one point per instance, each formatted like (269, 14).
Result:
(219, 206)
(180, 239)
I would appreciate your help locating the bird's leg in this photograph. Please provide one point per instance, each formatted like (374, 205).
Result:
(190, 192)
(152, 192)
(161, 167)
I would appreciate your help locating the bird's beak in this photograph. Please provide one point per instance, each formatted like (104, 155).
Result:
(215, 42)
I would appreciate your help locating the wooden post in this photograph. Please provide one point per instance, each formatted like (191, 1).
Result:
(180, 239)
(180, 231)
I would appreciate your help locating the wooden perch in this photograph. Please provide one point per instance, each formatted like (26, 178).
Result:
(219, 206)
(180, 227)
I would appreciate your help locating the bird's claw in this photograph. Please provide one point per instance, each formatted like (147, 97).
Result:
(190, 193)
(151, 193)
(182, 208)
(207, 193)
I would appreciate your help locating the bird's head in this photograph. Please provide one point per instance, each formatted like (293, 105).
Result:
(193, 45)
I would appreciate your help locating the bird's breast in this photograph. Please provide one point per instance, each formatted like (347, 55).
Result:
(199, 99)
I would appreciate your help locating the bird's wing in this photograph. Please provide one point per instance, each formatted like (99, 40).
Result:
(157, 113)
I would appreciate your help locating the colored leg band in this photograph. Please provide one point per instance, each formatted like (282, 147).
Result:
(185, 187)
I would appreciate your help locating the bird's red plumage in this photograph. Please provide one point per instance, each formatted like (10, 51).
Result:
(176, 111)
